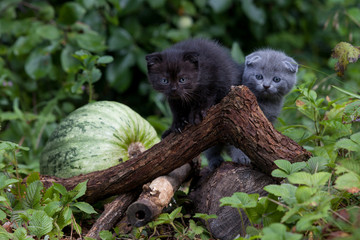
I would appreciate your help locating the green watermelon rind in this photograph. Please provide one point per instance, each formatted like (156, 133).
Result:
(94, 137)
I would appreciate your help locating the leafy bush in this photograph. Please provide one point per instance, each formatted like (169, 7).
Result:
(31, 209)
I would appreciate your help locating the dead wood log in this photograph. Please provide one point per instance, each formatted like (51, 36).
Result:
(156, 196)
(113, 212)
(229, 178)
(237, 120)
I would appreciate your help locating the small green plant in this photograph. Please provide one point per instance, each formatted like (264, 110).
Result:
(88, 71)
(30, 209)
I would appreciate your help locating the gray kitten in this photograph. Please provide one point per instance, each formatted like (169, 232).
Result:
(270, 75)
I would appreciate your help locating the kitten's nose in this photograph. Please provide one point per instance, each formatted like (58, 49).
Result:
(266, 86)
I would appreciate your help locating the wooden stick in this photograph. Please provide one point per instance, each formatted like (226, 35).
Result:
(155, 196)
(113, 212)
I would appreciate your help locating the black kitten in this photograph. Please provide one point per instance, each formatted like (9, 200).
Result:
(194, 75)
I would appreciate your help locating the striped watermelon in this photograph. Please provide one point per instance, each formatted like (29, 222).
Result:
(95, 137)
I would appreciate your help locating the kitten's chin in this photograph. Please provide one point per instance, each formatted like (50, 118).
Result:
(173, 96)
(265, 94)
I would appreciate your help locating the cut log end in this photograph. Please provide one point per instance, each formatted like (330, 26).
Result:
(141, 212)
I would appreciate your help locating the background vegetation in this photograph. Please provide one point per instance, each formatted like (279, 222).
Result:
(44, 76)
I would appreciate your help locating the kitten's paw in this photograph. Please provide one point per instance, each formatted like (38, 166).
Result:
(166, 133)
(203, 113)
(195, 118)
(239, 156)
(215, 162)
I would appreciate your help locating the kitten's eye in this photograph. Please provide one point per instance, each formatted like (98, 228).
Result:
(182, 80)
(164, 81)
(276, 79)
(259, 76)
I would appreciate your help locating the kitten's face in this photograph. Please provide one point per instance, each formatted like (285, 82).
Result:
(269, 76)
(175, 73)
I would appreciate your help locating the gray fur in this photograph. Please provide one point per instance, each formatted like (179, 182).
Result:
(269, 64)
(259, 71)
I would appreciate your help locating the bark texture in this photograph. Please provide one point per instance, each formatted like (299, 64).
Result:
(113, 212)
(224, 182)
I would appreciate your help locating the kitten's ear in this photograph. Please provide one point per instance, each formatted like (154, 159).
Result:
(252, 58)
(291, 65)
(191, 57)
(153, 58)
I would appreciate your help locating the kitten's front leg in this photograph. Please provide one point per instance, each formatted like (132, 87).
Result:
(198, 113)
(179, 120)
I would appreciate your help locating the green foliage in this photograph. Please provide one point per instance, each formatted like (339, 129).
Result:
(33, 210)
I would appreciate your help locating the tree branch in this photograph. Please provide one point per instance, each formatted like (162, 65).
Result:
(237, 120)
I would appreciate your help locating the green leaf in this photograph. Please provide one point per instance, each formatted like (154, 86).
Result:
(38, 64)
(156, 3)
(354, 14)
(119, 39)
(220, 6)
(71, 12)
(356, 137)
(76, 226)
(68, 62)
(119, 78)
(60, 188)
(196, 228)
(205, 216)
(349, 181)
(345, 53)
(5, 234)
(91, 41)
(2, 215)
(33, 195)
(306, 221)
(79, 190)
(346, 92)
(49, 32)
(285, 191)
(85, 207)
(286, 168)
(312, 180)
(105, 60)
(297, 166)
(4, 182)
(237, 53)
(316, 164)
(32, 178)
(64, 218)
(347, 144)
(52, 208)
(304, 193)
(106, 235)
(45, 12)
(40, 224)
(176, 213)
(283, 164)
(25, 44)
(254, 13)
(278, 231)
(240, 200)
(21, 234)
